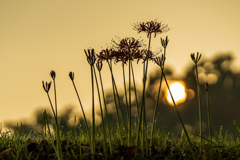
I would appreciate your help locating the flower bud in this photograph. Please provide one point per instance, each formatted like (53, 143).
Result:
(53, 74)
(71, 75)
(47, 86)
(99, 65)
(165, 42)
(207, 87)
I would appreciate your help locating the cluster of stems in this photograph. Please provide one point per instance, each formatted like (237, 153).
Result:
(128, 49)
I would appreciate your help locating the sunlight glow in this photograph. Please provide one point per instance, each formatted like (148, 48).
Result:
(178, 92)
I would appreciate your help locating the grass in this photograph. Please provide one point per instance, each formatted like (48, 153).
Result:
(35, 145)
(136, 140)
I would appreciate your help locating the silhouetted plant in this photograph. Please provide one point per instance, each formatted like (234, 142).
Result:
(196, 60)
(71, 76)
(91, 58)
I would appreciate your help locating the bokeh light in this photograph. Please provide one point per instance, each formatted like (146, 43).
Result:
(178, 91)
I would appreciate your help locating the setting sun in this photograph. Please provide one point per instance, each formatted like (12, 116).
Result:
(178, 92)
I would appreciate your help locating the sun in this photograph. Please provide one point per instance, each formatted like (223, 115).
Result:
(178, 92)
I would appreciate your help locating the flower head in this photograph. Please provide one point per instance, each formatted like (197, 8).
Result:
(53, 74)
(106, 54)
(197, 58)
(122, 55)
(137, 54)
(151, 27)
(147, 55)
(47, 86)
(128, 43)
(159, 60)
(91, 58)
(71, 75)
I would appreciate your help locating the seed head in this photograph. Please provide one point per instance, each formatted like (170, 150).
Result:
(53, 74)
(151, 27)
(47, 86)
(197, 58)
(71, 75)
(91, 58)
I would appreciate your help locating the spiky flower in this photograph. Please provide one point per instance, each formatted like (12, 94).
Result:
(71, 75)
(47, 86)
(122, 55)
(137, 54)
(159, 60)
(147, 55)
(128, 43)
(91, 58)
(106, 54)
(197, 58)
(53, 74)
(151, 27)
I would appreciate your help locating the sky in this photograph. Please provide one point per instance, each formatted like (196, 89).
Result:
(39, 36)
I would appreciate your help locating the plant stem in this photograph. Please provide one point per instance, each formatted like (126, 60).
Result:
(156, 105)
(129, 106)
(46, 119)
(209, 118)
(136, 100)
(142, 108)
(125, 89)
(189, 141)
(114, 95)
(85, 120)
(200, 110)
(103, 126)
(55, 96)
(119, 102)
(110, 140)
(93, 116)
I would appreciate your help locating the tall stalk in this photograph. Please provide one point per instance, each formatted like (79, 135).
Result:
(129, 106)
(114, 95)
(58, 148)
(125, 89)
(164, 44)
(93, 116)
(135, 90)
(209, 114)
(99, 67)
(142, 108)
(196, 60)
(91, 58)
(103, 125)
(185, 131)
(71, 75)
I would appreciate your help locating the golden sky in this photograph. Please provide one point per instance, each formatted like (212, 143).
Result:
(39, 36)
